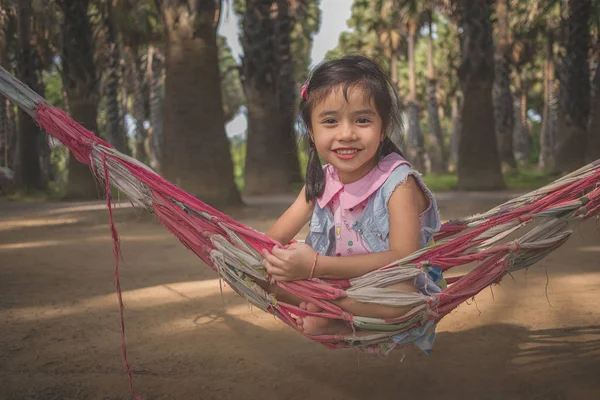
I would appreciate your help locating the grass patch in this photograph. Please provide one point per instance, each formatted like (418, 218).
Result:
(528, 179)
(53, 193)
(440, 182)
(524, 179)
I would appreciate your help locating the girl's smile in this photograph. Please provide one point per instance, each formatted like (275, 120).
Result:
(346, 154)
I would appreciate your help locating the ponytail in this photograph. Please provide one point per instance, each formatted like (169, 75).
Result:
(315, 180)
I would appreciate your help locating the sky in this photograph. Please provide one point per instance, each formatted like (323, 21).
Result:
(334, 14)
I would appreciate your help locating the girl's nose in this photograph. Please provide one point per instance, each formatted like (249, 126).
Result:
(346, 133)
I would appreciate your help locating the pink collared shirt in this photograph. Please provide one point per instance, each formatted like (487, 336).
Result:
(347, 203)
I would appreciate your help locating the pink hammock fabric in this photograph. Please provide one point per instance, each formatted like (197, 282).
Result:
(233, 250)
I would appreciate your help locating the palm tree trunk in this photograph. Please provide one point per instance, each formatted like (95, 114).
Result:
(594, 121)
(156, 71)
(81, 84)
(456, 129)
(437, 149)
(28, 171)
(136, 77)
(502, 97)
(44, 151)
(11, 131)
(574, 89)
(504, 116)
(3, 101)
(416, 150)
(394, 69)
(548, 133)
(3, 133)
(521, 142)
(114, 130)
(284, 26)
(196, 153)
(125, 107)
(267, 169)
(478, 160)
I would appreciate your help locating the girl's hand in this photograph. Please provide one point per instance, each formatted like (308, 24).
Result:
(291, 263)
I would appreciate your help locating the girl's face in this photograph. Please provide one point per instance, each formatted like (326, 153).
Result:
(347, 133)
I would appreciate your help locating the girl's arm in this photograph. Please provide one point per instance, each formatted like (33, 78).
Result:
(405, 206)
(292, 220)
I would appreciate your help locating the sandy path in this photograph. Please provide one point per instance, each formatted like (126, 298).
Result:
(59, 335)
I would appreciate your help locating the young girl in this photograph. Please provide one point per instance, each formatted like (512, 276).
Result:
(367, 207)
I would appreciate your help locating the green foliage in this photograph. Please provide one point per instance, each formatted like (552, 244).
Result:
(363, 35)
(307, 25)
(138, 22)
(367, 20)
(53, 88)
(308, 20)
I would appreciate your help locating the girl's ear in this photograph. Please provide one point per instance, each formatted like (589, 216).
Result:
(311, 137)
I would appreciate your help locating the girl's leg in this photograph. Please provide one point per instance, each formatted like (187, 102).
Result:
(280, 294)
(321, 326)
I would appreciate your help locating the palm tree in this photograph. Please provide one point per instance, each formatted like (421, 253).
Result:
(307, 18)
(478, 160)
(456, 126)
(594, 121)
(196, 153)
(4, 37)
(138, 23)
(114, 132)
(542, 18)
(387, 22)
(416, 146)
(548, 133)
(522, 54)
(29, 172)
(81, 85)
(503, 101)
(286, 88)
(156, 71)
(574, 95)
(268, 168)
(437, 148)
(448, 57)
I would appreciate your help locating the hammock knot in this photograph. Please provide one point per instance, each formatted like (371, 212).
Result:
(514, 247)
(347, 317)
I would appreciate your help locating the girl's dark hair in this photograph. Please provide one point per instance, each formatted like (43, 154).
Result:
(352, 71)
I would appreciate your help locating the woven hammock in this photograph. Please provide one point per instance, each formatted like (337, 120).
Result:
(234, 250)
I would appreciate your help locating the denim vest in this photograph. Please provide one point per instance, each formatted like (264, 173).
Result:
(374, 223)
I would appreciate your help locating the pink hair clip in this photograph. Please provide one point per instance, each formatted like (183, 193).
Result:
(304, 91)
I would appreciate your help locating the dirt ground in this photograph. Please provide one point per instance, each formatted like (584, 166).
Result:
(59, 321)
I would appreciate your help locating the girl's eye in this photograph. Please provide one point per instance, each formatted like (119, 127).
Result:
(329, 121)
(363, 121)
